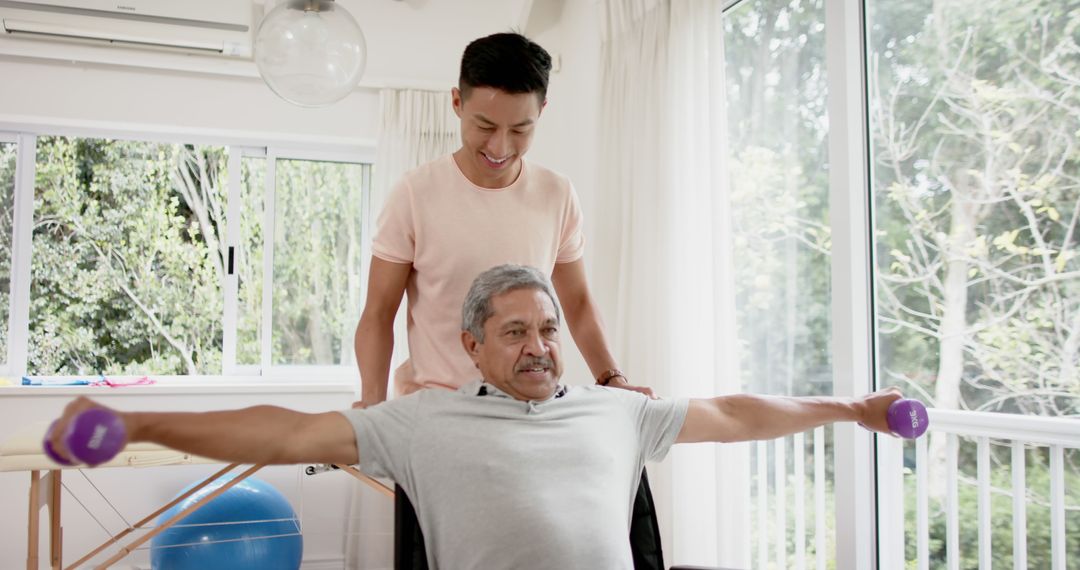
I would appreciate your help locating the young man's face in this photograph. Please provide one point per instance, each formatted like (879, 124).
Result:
(496, 131)
(520, 352)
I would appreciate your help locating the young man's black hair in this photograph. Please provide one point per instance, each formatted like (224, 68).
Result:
(508, 62)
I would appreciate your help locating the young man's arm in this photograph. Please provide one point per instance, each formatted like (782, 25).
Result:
(374, 341)
(746, 417)
(261, 434)
(583, 319)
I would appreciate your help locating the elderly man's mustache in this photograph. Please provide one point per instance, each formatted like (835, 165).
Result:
(536, 362)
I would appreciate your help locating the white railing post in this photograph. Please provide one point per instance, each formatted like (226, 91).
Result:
(952, 504)
(922, 504)
(763, 504)
(819, 498)
(985, 508)
(1057, 507)
(1019, 506)
(798, 457)
(1057, 434)
(780, 472)
(891, 503)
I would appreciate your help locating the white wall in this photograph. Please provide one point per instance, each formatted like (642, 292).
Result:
(113, 97)
(566, 135)
(411, 43)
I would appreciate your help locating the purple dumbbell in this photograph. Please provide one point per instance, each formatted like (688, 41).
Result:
(908, 418)
(93, 437)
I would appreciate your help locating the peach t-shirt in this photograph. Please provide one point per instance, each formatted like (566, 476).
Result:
(451, 230)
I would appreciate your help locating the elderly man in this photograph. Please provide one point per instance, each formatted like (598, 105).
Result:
(514, 470)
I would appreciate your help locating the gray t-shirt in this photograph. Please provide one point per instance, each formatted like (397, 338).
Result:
(501, 483)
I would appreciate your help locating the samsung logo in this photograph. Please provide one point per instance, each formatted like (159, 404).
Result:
(127, 8)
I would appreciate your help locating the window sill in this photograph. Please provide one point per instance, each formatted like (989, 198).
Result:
(297, 382)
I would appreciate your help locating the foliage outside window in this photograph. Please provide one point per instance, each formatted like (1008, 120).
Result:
(130, 258)
(316, 261)
(127, 258)
(974, 116)
(778, 139)
(249, 262)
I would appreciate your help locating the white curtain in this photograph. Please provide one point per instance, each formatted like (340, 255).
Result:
(662, 163)
(417, 126)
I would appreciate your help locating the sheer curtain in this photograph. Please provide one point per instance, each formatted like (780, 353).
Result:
(662, 164)
(417, 126)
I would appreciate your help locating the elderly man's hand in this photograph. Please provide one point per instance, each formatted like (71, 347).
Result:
(73, 409)
(874, 408)
(621, 383)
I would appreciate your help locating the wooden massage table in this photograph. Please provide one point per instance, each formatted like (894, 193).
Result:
(22, 452)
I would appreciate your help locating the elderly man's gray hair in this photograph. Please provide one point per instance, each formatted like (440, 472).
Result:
(494, 282)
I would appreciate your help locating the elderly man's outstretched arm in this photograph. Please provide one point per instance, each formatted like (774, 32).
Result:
(746, 417)
(260, 434)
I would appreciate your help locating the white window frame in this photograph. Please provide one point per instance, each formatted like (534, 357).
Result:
(22, 224)
(852, 302)
(853, 346)
(285, 371)
(237, 147)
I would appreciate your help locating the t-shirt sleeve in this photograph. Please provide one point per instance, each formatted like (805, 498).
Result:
(384, 435)
(572, 236)
(395, 233)
(660, 422)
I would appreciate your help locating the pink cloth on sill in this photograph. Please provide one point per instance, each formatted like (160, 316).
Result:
(451, 230)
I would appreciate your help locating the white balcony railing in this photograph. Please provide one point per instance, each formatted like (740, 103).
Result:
(949, 429)
(791, 524)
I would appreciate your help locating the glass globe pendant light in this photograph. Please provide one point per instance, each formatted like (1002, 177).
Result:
(310, 52)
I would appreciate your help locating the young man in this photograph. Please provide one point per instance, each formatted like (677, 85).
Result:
(515, 470)
(450, 219)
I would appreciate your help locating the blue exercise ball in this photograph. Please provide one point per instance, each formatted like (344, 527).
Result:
(250, 526)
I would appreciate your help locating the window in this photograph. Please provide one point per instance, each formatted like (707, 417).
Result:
(779, 193)
(127, 258)
(249, 262)
(317, 261)
(777, 136)
(8, 152)
(131, 259)
(973, 123)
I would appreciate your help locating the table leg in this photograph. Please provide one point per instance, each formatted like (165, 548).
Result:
(56, 532)
(32, 523)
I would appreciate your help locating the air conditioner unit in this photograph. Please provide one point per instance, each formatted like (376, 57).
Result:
(206, 26)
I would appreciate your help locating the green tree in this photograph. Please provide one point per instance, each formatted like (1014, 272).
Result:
(974, 110)
(774, 56)
(975, 165)
(317, 261)
(125, 277)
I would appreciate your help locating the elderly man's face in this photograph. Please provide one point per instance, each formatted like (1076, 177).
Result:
(520, 352)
